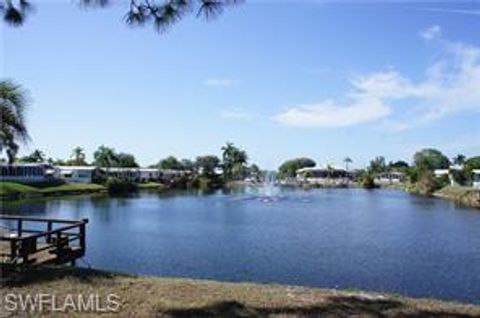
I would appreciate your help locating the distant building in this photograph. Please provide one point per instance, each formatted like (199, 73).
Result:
(76, 174)
(448, 172)
(27, 172)
(130, 174)
(391, 177)
(149, 174)
(139, 174)
(323, 176)
(167, 175)
(476, 178)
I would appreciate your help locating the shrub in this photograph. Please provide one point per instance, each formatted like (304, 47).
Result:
(368, 182)
(116, 186)
(205, 183)
(459, 177)
(428, 183)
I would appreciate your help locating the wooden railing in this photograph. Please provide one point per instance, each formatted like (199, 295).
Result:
(30, 240)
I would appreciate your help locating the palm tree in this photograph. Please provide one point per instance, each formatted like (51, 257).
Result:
(459, 159)
(13, 102)
(234, 161)
(78, 156)
(37, 156)
(105, 157)
(347, 161)
(162, 14)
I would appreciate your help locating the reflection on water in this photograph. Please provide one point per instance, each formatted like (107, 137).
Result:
(342, 238)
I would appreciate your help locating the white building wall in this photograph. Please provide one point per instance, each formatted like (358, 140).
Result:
(476, 179)
(24, 173)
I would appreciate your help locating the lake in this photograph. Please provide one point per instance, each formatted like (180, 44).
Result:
(381, 240)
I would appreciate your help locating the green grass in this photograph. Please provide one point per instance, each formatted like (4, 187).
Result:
(151, 185)
(13, 189)
(18, 190)
(73, 187)
(7, 188)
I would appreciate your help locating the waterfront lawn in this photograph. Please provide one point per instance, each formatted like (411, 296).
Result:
(73, 188)
(174, 297)
(151, 186)
(8, 188)
(13, 189)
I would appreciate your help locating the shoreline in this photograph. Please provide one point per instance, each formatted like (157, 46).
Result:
(463, 196)
(10, 191)
(145, 296)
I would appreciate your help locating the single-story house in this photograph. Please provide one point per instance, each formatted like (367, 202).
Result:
(76, 174)
(131, 174)
(321, 176)
(26, 172)
(476, 178)
(391, 177)
(167, 175)
(149, 174)
(448, 172)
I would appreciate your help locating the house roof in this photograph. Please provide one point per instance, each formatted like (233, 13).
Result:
(26, 164)
(72, 168)
(148, 170)
(318, 169)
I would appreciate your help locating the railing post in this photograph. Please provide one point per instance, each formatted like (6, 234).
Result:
(82, 237)
(49, 236)
(19, 228)
(13, 250)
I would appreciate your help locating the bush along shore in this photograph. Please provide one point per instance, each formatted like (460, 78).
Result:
(464, 196)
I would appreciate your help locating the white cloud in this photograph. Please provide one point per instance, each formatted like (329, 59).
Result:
(432, 32)
(446, 10)
(451, 86)
(330, 114)
(235, 114)
(218, 82)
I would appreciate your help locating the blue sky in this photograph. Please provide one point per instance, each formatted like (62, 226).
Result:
(280, 79)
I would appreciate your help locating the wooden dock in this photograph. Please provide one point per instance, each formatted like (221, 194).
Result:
(32, 240)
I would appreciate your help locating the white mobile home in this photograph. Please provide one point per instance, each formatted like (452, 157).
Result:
(166, 175)
(444, 172)
(392, 177)
(476, 178)
(26, 172)
(149, 174)
(323, 176)
(76, 174)
(130, 174)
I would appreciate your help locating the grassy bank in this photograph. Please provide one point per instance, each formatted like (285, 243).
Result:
(151, 186)
(12, 190)
(168, 297)
(465, 196)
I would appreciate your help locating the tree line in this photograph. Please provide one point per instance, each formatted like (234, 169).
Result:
(231, 166)
(420, 174)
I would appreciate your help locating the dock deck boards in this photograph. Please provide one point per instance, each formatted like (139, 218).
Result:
(22, 246)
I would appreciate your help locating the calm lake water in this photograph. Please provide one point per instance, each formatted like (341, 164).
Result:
(341, 238)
